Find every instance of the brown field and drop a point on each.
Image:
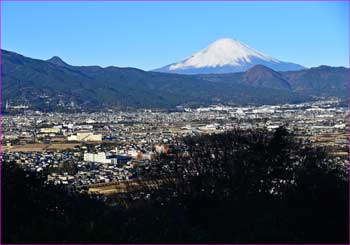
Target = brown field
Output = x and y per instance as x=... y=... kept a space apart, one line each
x=125 y=186
x=39 y=147
x=340 y=136
x=341 y=153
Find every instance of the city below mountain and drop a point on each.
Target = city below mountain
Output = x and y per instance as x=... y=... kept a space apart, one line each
x=224 y=56
x=56 y=85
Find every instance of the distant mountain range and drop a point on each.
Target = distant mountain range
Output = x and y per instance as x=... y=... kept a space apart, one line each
x=226 y=56
x=56 y=85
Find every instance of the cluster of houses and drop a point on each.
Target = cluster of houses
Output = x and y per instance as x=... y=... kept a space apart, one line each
x=117 y=146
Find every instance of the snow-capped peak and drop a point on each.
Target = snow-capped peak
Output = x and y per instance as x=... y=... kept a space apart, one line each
x=225 y=56
x=222 y=52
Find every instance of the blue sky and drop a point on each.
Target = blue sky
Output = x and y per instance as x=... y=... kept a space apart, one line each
x=148 y=35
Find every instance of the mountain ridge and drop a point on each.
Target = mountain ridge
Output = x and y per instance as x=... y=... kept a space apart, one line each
x=48 y=86
x=57 y=61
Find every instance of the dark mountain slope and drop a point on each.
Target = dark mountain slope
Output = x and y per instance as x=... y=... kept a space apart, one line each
x=318 y=81
x=322 y=80
x=44 y=84
x=57 y=61
x=54 y=84
x=262 y=76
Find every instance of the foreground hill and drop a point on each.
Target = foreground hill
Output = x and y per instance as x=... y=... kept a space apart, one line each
x=251 y=191
x=54 y=84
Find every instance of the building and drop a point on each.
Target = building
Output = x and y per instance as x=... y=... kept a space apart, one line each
x=99 y=157
x=85 y=136
x=50 y=130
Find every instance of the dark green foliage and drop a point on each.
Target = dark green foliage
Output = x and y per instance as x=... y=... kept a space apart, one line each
x=254 y=186
x=219 y=192
x=36 y=213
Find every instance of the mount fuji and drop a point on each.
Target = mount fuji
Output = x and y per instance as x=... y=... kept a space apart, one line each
x=226 y=56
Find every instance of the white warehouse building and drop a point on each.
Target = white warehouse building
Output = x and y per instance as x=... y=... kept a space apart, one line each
x=86 y=136
x=99 y=157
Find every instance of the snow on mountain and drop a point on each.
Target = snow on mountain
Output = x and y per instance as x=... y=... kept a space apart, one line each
x=226 y=55
x=222 y=52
